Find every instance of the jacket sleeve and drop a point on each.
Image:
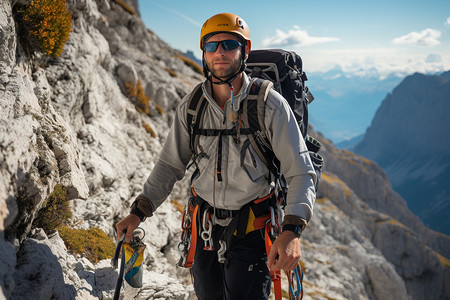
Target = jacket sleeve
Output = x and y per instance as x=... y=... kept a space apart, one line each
x=289 y=147
x=171 y=165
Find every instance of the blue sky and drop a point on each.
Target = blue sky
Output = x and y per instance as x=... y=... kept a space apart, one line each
x=375 y=38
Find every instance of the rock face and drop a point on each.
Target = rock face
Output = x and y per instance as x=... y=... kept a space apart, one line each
x=71 y=121
x=408 y=138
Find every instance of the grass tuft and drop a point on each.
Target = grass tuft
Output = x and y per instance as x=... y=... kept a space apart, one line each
x=171 y=72
x=149 y=129
x=192 y=64
x=125 y=6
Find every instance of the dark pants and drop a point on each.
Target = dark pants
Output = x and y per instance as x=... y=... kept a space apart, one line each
x=245 y=274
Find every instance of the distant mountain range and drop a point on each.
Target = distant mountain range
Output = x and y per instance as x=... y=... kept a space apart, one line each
x=345 y=103
x=410 y=139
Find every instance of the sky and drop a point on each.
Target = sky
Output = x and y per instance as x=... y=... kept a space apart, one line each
x=363 y=38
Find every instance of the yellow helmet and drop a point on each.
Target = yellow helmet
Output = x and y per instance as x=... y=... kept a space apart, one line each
x=225 y=23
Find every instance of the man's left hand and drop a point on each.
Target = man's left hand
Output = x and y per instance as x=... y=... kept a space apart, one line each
x=287 y=248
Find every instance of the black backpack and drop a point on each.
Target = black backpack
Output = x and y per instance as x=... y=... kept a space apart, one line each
x=280 y=70
x=285 y=70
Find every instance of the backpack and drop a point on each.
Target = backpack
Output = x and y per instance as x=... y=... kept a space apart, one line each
x=277 y=69
x=285 y=70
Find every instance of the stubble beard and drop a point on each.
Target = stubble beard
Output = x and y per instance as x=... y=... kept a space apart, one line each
x=225 y=74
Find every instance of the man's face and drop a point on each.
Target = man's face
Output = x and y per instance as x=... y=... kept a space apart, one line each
x=223 y=63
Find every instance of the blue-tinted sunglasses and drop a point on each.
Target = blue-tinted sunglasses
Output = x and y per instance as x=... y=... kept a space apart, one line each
x=226 y=45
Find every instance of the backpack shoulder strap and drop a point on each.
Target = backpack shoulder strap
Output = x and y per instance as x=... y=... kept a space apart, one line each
x=196 y=105
x=253 y=114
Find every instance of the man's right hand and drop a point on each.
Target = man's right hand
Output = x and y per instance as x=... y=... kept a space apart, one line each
x=128 y=225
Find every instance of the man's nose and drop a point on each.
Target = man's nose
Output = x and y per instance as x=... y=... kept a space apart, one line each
x=220 y=50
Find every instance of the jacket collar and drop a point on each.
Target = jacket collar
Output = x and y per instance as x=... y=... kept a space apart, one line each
x=237 y=98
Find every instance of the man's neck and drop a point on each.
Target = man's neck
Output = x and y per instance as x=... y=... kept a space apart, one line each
x=222 y=92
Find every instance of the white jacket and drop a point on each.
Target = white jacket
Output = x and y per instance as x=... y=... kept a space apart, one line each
x=237 y=187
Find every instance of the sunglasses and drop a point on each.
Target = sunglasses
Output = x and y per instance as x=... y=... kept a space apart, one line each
x=227 y=45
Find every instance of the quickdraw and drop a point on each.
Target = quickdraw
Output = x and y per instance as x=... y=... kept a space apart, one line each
x=295 y=283
x=188 y=243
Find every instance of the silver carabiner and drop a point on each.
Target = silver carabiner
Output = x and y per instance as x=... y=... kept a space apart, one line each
x=221 y=252
x=272 y=217
x=206 y=233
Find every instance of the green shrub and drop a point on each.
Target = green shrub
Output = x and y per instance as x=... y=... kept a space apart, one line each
x=55 y=214
x=50 y=22
x=55 y=211
x=93 y=243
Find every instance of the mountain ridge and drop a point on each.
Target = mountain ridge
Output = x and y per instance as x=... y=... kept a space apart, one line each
x=412 y=125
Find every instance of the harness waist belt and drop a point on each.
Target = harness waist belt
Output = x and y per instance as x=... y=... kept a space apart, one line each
x=224 y=213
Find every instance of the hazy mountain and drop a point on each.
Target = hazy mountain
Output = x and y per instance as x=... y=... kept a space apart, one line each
x=410 y=139
x=80 y=133
x=351 y=143
x=190 y=54
x=346 y=103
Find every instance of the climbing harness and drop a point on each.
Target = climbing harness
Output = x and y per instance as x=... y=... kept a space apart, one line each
x=261 y=214
x=132 y=257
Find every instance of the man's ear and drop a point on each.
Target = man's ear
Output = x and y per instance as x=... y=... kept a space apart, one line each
x=246 y=52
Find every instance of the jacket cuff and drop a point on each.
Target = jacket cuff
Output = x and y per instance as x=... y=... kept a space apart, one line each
x=142 y=208
x=294 y=220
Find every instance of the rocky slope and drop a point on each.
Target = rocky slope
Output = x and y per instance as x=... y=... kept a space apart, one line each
x=408 y=138
x=68 y=121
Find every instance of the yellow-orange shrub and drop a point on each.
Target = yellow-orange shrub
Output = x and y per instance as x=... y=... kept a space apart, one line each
x=125 y=6
x=93 y=243
x=149 y=129
x=50 y=22
x=137 y=94
x=140 y=99
x=171 y=72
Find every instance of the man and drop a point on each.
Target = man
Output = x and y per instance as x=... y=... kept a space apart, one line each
x=228 y=179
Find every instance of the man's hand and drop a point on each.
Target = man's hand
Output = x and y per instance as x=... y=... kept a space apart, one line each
x=128 y=224
x=287 y=248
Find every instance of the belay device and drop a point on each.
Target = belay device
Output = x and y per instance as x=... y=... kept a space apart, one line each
x=131 y=261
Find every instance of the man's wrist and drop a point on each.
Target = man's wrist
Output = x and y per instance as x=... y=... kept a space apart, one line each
x=142 y=208
x=136 y=211
x=295 y=229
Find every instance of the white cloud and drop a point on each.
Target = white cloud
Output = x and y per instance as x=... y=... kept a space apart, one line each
x=373 y=62
x=427 y=37
x=295 y=37
x=447 y=22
